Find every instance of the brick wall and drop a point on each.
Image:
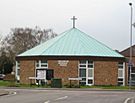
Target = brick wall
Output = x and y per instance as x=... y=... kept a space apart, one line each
x=105 y=73
x=64 y=72
x=27 y=69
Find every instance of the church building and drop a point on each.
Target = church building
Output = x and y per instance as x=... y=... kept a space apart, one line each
x=72 y=54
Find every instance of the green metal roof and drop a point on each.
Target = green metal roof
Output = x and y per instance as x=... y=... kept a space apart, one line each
x=73 y=42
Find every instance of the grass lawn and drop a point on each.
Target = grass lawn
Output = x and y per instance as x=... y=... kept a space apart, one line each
x=110 y=87
x=6 y=83
x=14 y=84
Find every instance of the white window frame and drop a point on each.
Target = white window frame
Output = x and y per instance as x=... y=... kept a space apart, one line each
x=40 y=67
x=16 y=71
x=123 y=71
x=87 y=68
x=90 y=78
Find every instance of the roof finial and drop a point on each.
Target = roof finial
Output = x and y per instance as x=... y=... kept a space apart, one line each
x=73 y=21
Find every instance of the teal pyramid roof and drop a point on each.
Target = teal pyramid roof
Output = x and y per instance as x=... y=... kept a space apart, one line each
x=72 y=42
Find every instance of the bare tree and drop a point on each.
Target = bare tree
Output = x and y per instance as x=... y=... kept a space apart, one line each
x=23 y=39
x=43 y=35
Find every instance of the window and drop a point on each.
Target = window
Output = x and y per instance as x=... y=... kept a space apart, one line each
x=83 y=62
x=120 y=81
x=120 y=65
x=41 y=64
x=43 y=61
x=133 y=77
x=82 y=72
x=120 y=73
x=86 y=72
x=133 y=70
x=90 y=81
x=17 y=70
x=90 y=64
x=90 y=72
x=41 y=70
x=120 y=70
x=18 y=67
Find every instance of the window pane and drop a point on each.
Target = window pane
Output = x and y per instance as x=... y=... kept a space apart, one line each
x=82 y=73
x=83 y=62
x=133 y=77
x=43 y=61
x=90 y=66
x=90 y=73
x=120 y=65
x=83 y=79
x=90 y=62
x=133 y=69
x=18 y=71
x=120 y=83
x=120 y=73
x=90 y=81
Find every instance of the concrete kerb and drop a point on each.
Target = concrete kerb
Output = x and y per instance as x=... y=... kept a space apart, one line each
x=3 y=92
x=85 y=89
x=71 y=89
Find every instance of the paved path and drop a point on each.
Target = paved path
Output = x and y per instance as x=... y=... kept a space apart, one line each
x=65 y=96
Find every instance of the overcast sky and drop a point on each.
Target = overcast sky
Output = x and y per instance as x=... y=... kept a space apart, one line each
x=106 y=20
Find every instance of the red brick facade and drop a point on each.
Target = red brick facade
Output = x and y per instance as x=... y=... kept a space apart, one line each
x=64 y=72
x=105 y=72
x=27 y=69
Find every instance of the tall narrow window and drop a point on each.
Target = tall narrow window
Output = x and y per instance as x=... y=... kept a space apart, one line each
x=86 y=72
x=132 y=76
x=120 y=73
x=82 y=71
x=90 y=71
x=18 y=70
